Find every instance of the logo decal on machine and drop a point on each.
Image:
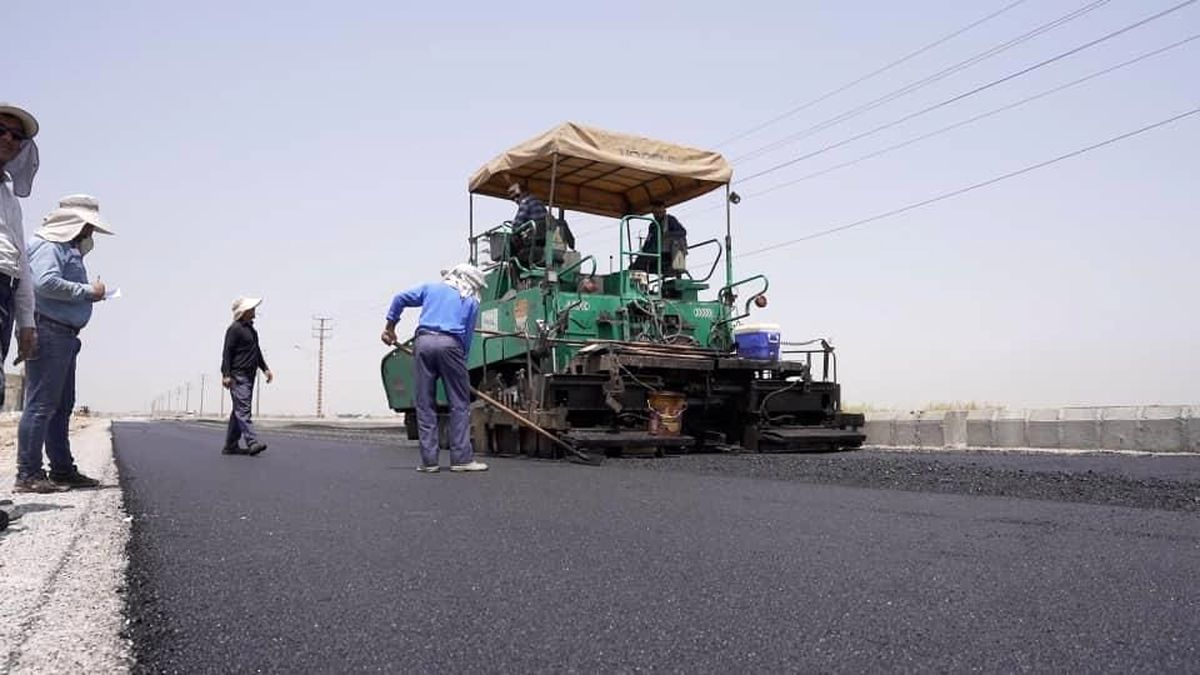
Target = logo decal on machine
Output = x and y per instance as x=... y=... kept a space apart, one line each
x=490 y=320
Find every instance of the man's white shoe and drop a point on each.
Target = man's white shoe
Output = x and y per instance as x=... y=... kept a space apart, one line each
x=429 y=469
x=473 y=466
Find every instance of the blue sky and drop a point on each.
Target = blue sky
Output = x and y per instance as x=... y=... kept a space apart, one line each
x=317 y=154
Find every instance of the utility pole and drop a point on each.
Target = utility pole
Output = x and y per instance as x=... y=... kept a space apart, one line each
x=321 y=332
x=178 y=395
x=201 y=414
x=187 y=405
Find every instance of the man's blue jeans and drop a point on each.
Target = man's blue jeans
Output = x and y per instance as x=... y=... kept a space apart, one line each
x=49 y=400
x=440 y=356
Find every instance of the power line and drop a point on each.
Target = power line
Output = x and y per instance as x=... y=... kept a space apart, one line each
x=920 y=84
x=941 y=75
x=873 y=73
x=972 y=92
x=970 y=188
x=976 y=118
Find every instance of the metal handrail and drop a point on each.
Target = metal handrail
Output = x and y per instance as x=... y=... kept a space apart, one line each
x=727 y=292
x=712 y=270
x=828 y=356
x=486 y=233
x=626 y=235
x=474 y=240
x=579 y=263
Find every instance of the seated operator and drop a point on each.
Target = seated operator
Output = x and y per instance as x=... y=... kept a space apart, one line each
x=528 y=242
x=674 y=243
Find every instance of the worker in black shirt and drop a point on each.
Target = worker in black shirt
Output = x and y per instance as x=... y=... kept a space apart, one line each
x=674 y=236
x=240 y=362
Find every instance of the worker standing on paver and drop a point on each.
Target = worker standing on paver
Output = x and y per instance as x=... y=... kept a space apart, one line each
x=241 y=360
x=443 y=340
x=64 y=299
x=18 y=165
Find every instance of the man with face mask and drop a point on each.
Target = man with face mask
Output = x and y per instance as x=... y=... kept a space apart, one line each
x=64 y=306
x=18 y=165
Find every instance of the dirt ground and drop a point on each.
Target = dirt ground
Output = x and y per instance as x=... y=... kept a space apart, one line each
x=8 y=448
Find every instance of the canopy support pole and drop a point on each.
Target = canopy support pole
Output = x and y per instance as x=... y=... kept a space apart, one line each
x=728 y=239
x=552 y=223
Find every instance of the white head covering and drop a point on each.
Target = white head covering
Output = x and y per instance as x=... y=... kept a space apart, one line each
x=243 y=305
x=24 y=166
x=467 y=279
x=66 y=222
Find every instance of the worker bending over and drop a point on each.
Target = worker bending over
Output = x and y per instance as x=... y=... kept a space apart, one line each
x=443 y=341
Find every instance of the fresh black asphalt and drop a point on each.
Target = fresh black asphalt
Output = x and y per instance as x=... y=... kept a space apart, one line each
x=328 y=553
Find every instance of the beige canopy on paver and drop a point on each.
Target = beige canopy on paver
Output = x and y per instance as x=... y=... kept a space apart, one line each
x=603 y=172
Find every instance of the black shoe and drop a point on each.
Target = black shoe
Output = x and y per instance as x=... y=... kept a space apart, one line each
x=234 y=450
x=256 y=447
x=37 y=484
x=73 y=480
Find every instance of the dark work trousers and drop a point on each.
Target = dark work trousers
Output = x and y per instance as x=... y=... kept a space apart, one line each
x=240 y=426
x=7 y=307
x=437 y=357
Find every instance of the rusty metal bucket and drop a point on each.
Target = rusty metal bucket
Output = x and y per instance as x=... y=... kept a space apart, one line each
x=666 y=412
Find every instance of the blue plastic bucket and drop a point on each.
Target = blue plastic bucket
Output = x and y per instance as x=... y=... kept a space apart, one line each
x=758 y=341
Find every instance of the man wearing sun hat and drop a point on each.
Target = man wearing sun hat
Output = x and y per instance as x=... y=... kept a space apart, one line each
x=64 y=306
x=240 y=362
x=18 y=165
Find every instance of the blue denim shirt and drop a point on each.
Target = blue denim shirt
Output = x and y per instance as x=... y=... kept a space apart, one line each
x=442 y=310
x=60 y=284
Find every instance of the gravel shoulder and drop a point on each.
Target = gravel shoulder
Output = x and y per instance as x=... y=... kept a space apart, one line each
x=62 y=565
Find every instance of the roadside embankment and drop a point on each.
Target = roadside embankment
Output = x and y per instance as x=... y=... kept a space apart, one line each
x=1153 y=429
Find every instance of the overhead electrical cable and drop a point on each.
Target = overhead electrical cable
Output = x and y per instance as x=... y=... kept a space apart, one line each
x=971 y=92
x=924 y=82
x=969 y=188
x=873 y=73
x=957 y=125
x=976 y=118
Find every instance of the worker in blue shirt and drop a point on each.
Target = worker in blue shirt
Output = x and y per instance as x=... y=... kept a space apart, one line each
x=443 y=341
x=64 y=299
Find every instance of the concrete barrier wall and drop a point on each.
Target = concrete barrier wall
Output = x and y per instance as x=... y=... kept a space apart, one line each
x=1144 y=428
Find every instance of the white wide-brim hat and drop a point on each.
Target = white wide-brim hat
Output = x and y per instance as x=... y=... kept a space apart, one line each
x=243 y=305
x=67 y=221
x=28 y=121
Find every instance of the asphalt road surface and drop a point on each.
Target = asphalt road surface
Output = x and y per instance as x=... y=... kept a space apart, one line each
x=329 y=553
